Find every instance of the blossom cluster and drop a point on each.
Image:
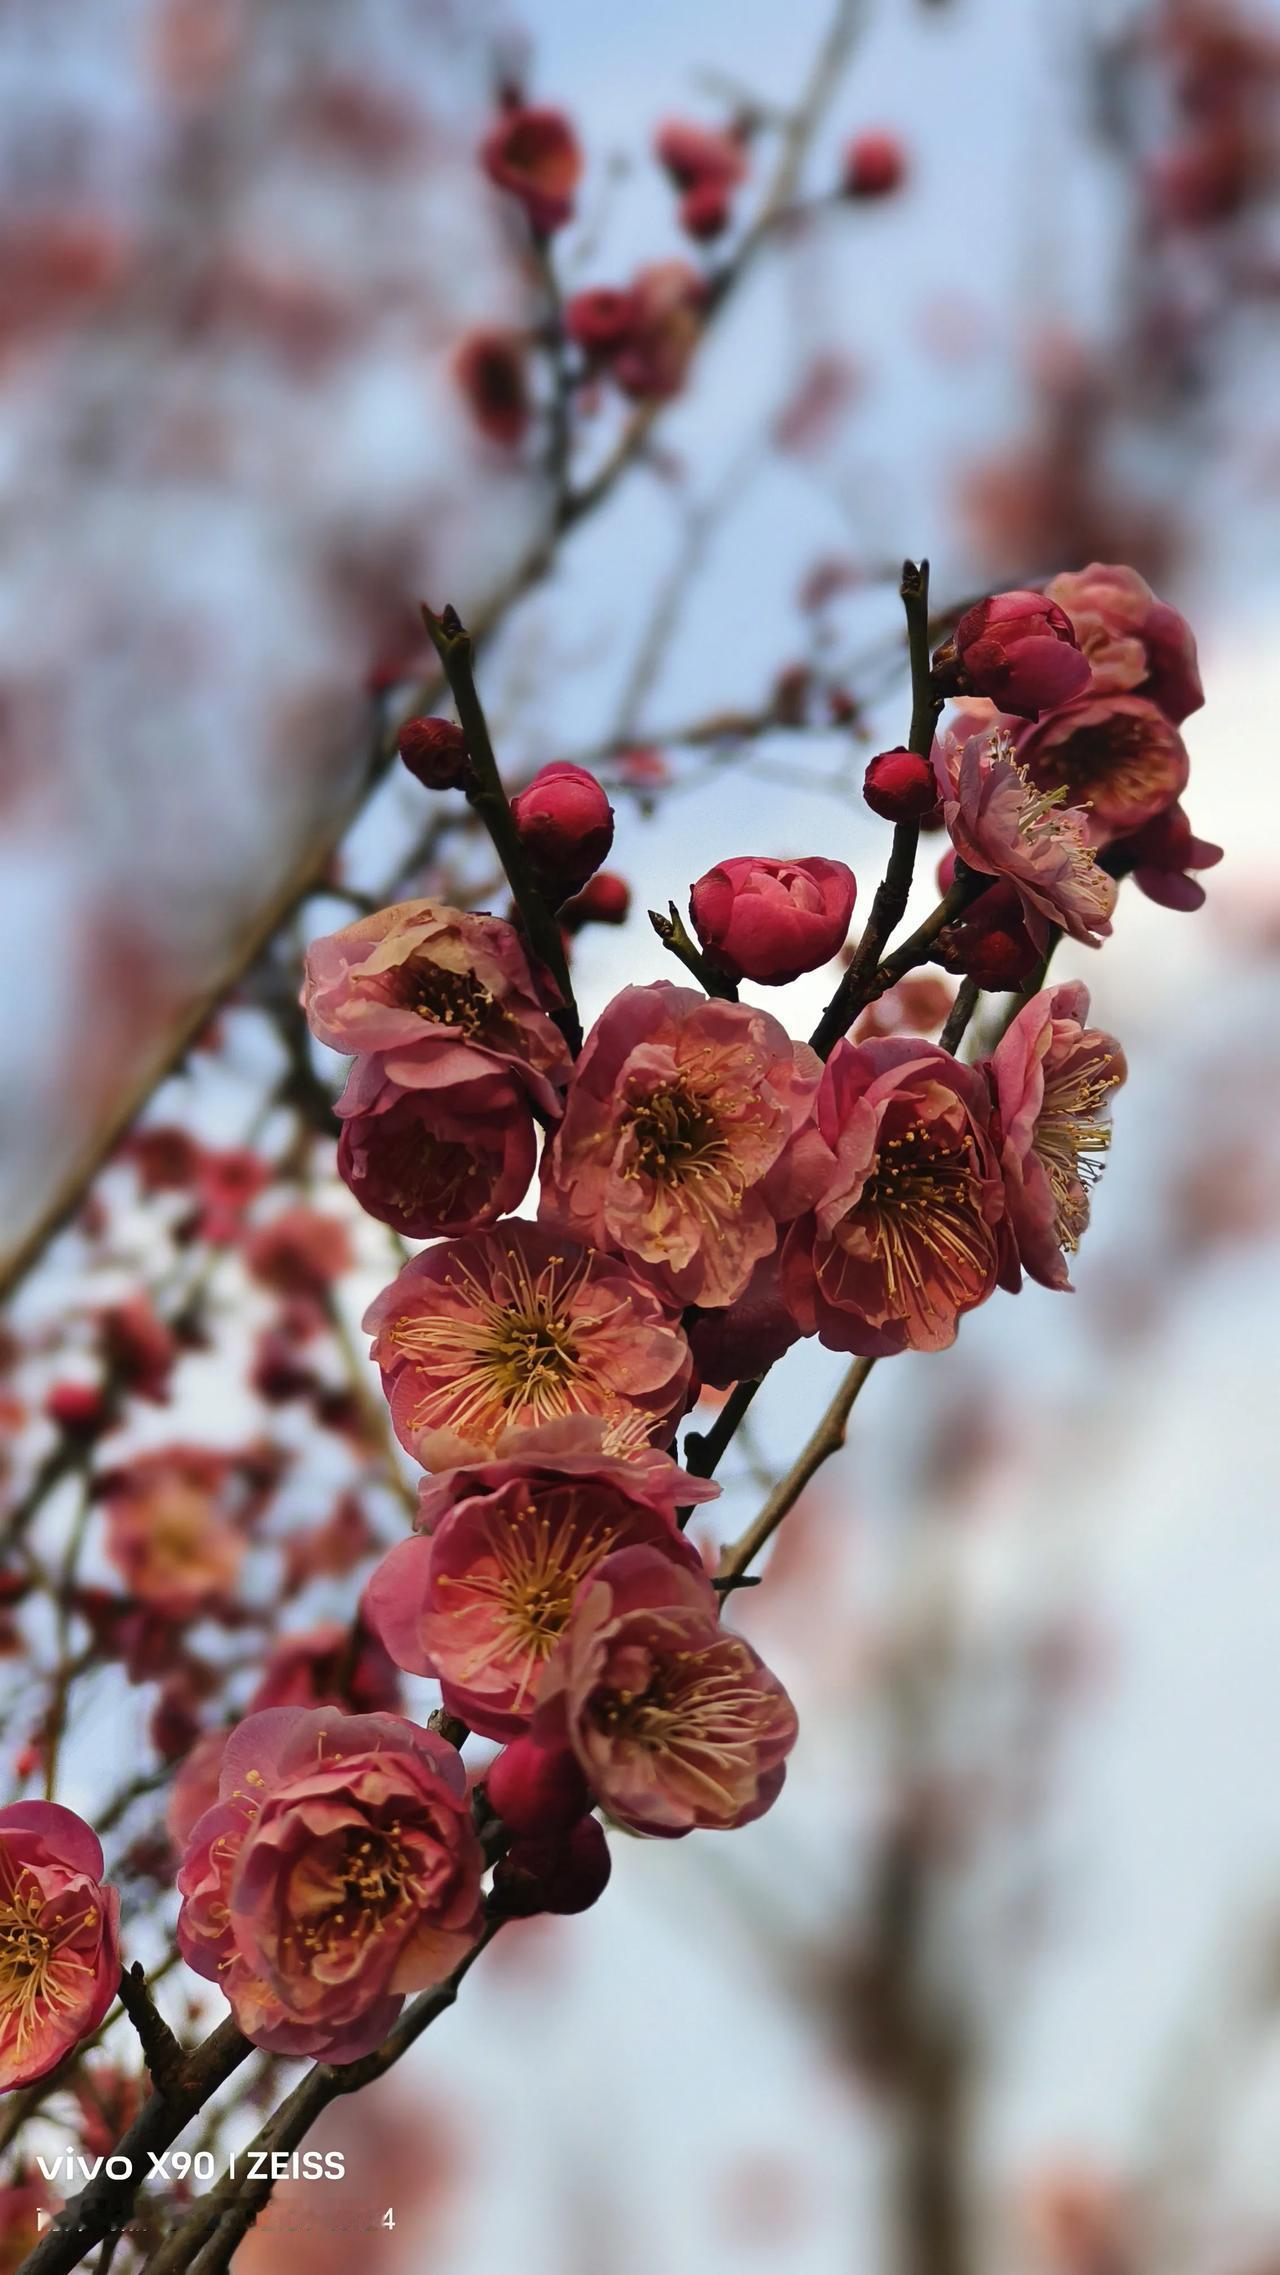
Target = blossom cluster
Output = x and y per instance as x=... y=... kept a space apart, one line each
x=706 y=1190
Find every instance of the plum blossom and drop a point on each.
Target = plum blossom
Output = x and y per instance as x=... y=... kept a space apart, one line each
x=676 y=1722
x=59 y=1938
x=518 y=1327
x=686 y=1140
x=1116 y=755
x=769 y=921
x=436 y=1138
x=1020 y=650
x=1052 y=1078
x=1134 y=643
x=421 y=972
x=337 y=1872
x=908 y=1234
x=1161 y=856
x=532 y=152
x=482 y=1594
x=1003 y=825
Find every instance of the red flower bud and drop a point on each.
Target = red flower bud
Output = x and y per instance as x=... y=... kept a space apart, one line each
x=565 y=823
x=697 y=156
x=771 y=920
x=1019 y=649
x=991 y=943
x=534 y=155
x=900 y=786
x=537 y=1790
x=604 y=899
x=568 y=1872
x=435 y=752
x=704 y=211
x=79 y=1408
x=600 y=320
x=875 y=165
x=489 y=368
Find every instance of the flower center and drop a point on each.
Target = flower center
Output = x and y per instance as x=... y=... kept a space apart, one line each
x=676 y=1136
x=538 y=1559
x=918 y=1206
x=1121 y=758
x=354 y=1896
x=1070 y=1133
x=446 y=998
x=34 y=1969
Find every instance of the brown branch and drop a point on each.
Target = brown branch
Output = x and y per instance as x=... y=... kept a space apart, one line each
x=456 y=650
x=827 y=1439
x=674 y=935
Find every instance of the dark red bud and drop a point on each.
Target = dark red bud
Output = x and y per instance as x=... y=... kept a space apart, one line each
x=435 y=752
x=900 y=786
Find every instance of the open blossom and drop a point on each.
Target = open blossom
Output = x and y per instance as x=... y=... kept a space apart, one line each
x=482 y=1594
x=676 y=1722
x=299 y=1252
x=1134 y=643
x=1002 y=824
x=337 y=1872
x=419 y=972
x=686 y=1140
x=437 y=1138
x=490 y=369
x=1116 y=755
x=908 y=1234
x=519 y=1327
x=1052 y=1078
x=168 y=1532
x=59 y=1938
x=770 y=921
x=532 y=153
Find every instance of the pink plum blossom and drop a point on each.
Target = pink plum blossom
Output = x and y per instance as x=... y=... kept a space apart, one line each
x=419 y=972
x=686 y=1140
x=517 y=1327
x=1052 y=1078
x=1003 y=825
x=337 y=1872
x=482 y=1594
x=908 y=1234
x=676 y=1722
x=1134 y=643
x=436 y=1138
x=59 y=1938
x=1116 y=755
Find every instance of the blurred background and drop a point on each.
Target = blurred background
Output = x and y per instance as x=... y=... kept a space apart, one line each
x=996 y=1985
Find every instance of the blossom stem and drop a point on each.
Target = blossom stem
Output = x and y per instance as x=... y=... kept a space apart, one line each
x=827 y=1439
x=674 y=935
x=703 y=1448
x=858 y=987
x=212 y=2231
x=962 y=1010
x=485 y=794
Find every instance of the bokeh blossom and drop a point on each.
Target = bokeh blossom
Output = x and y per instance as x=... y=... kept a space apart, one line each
x=907 y=1235
x=169 y=1533
x=1003 y=825
x=338 y=1872
x=518 y=1327
x=677 y=1723
x=532 y=152
x=436 y=1138
x=685 y=1140
x=59 y=1938
x=482 y=1594
x=1052 y=1077
x=421 y=972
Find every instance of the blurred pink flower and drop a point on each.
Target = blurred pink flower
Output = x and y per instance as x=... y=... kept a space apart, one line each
x=298 y=1252
x=489 y=367
x=686 y=1140
x=532 y=153
x=517 y=1327
x=338 y=1872
x=667 y=306
x=168 y=1533
x=1001 y=824
x=676 y=1722
x=1134 y=643
x=59 y=1938
x=907 y=1235
x=1052 y=1078
x=481 y=1596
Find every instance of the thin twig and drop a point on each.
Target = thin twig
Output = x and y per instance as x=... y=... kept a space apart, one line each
x=827 y=1439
